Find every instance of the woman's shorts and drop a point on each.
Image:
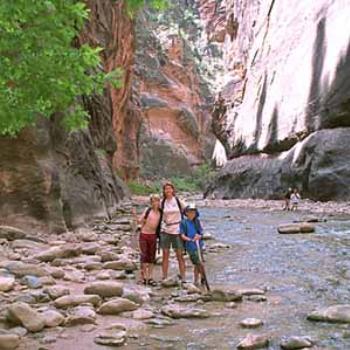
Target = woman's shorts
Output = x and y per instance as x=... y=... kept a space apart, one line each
x=148 y=246
x=168 y=240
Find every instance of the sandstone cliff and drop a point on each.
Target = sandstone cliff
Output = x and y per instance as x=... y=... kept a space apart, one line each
x=56 y=179
x=285 y=117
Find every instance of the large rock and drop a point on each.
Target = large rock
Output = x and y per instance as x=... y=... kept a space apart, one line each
x=66 y=251
x=56 y=292
x=75 y=300
x=294 y=343
x=105 y=289
x=52 y=318
x=81 y=315
x=178 y=311
x=9 y=341
x=20 y=269
x=122 y=264
x=23 y=314
x=251 y=342
x=111 y=338
x=224 y=295
x=6 y=283
x=11 y=233
x=296 y=228
x=117 y=306
x=334 y=313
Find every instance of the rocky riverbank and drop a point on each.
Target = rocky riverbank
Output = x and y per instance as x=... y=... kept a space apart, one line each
x=80 y=287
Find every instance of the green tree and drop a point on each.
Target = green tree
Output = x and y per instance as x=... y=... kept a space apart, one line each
x=135 y=5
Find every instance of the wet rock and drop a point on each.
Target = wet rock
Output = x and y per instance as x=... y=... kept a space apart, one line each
x=9 y=341
x=57 y=292
x=177 y=311
x=11 y=233
x=160 y=322
x=91 y=266
x=231 y=305
x=22 y=314
x=49 y=339
x=117 y=306
x=257 y=298
x=90 y=248
x=32 y=282
x=296 y=228
x=294 y=343
x=109 y=256
x=57 y=273
x=137 y=295
x=20 y=269
x=74 y=276
x=222 y=295
x=52 y=318
x=142 y=314
x=251 y=291
x=105 y=289
x=47 y=280
x=19 y=330
x=251 y=342
x=75 y=300
x=81 y=315
x=87 y=328
x=111 y=338
x=170 y=282
x=66 y=251
x=336 y=313
x=251 y=323
x=26 y=244
x=192 y=289
x=122 y=264
x=6 y=283
x=191 y=298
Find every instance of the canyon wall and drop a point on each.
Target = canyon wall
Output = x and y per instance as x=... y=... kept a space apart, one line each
x=53 y=179
x=284 y=112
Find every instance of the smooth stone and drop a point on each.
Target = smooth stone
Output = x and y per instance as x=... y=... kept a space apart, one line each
x=251 y=342
x=93 y=266
x=19 y=330
x=192 y=289
x=117 y=306
x=251 y=323
x=223 y=295
x=49 y=339
x=177 y=311
x=32 y=282
x=191 y=298
x=90 y=248
x=9 y=341
x=75 y=300
x=47 y=281
x=123 y=264
x=23 y=314
x=142 y=314
x=111 y=338
x=105 y=289
x=26 y=244
x=61 y=252
x=138 y=296
x=170 y=282
x=81 y=315
x=335 y=313
x=294 y=343
x=56 y=292
x=257 y=298
x=20 y=269
x=6 y=283
x=160 y=322
x=251 y=291
x=52 y=318
x=11 y=233
x=296 y=228
x=57 y=273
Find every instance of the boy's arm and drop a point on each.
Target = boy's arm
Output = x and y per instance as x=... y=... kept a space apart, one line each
x=182 y=229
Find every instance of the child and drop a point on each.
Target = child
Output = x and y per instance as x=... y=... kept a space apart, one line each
x=295 y=199
x=150 y=225
x=191 y=233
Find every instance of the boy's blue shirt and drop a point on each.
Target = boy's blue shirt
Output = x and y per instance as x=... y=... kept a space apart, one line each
x=189 y=228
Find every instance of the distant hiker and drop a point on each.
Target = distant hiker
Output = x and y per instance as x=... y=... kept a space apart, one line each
x=287 y=199
x=191 y=232
x=295 y=199
x=150 y=227
x=172 y=214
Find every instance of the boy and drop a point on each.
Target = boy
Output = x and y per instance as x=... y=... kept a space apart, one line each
x=191 y=233
x=295 y=199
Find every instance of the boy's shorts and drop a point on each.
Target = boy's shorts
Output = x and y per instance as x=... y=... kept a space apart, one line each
x=148 y=246
x=194 y=257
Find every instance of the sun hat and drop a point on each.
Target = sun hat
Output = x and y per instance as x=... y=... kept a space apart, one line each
x=191 y=206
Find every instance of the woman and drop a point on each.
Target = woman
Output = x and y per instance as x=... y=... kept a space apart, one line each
x=149 y=221
x=170 y=236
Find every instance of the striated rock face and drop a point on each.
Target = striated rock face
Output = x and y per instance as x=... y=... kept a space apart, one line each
x=56 y=179
x=175 y=97
x=286 y=108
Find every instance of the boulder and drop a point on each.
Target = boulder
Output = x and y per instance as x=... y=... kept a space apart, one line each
x=251 y=342
x=9 y=341
x=177 y=311
x=6 y=283
x=60 y=252
x=117 y=306
x=295 y=343
x=251 y=323
x=111 y=338
x=123 y=264
x=250 y=291
x=224 y=295
x=81 y=315
x=57 y=292
x=21 y=269
x=11 y=233
x=32 y=282
x=105 y=289
x=22 y=314
x=334 y=314
x=52 y=318
x=77 y=299
x=137 y=295
x=296 y=228
x=142 y=314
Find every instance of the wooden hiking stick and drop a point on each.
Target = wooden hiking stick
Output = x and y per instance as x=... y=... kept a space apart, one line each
x=201 y=266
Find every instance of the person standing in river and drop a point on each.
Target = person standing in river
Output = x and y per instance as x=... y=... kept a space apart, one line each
x=287 y=199
x=172 y=214
x=150 y=225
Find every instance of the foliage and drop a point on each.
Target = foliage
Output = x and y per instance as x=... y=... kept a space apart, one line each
x=203 y=175
x=135 y=5
x=139 y=188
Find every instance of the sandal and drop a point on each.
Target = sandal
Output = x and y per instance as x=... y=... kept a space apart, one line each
x=152 y=282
